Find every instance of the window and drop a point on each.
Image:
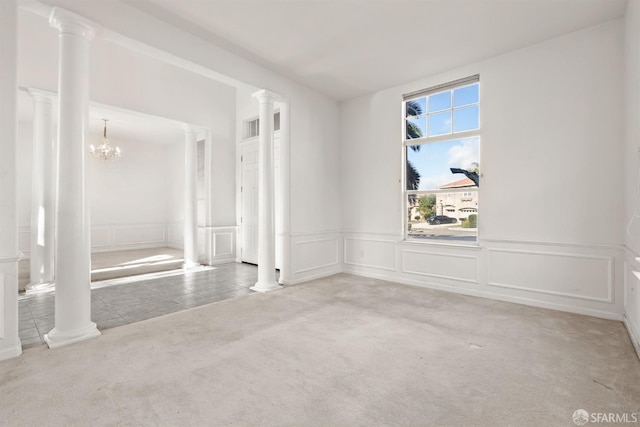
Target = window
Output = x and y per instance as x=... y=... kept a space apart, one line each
x=442 y=160
x=252 y=127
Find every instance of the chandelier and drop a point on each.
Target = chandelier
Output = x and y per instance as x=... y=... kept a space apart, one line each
x=105 y=150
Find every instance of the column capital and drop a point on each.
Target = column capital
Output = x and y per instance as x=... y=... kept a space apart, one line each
x=264 y=96
x=188 y=129
x=72 y=23
x=196 y=132
x=40 y=95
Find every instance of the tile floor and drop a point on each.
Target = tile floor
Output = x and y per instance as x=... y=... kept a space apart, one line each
x=133 y=299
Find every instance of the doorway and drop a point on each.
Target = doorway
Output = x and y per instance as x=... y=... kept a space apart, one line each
x=249 y=169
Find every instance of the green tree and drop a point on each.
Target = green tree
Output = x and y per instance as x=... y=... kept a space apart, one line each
x=426 y=205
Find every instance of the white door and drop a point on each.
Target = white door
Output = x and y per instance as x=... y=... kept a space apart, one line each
x=249 y=200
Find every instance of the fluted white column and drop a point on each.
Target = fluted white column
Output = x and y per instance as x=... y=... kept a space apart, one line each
x=190 y=197
x=266 y=226
x=9 y=341
x=73 y=246
x=42 y=192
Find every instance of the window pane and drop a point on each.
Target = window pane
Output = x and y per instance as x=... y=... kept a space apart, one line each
x=276 y=121
x=440 y=123
x=429 y=165
x=416 y=127
x=466 y=118
x=443 y=216
x=440 y=101
x=466 y=95
x=416 y=107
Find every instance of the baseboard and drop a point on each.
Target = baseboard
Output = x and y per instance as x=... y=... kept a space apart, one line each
x=130 y=247
x=634 y=336
x=489 y=295
x=221 y=261
x=174 y=245
x=11 y=352
x=318 y=275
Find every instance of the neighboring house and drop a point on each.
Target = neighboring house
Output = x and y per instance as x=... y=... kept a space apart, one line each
x=458 y=204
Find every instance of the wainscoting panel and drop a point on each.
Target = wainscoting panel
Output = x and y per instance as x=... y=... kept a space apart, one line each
x=135 y=235
x=315 y=255
x=101 y=237
x=462 y=268
x=370 y=252
x=175 y=235
x=223 y=244
x=219 y=244
x=106 y=238
x=632 y=300
x=581 y=276
x=2 y=308
x=578 y=278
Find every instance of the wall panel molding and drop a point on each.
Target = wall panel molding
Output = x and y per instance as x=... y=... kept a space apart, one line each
x=2 y=327
x=218 y=244
x=581 y=278
x=632 y=299
x=106 y=238
x=584 y=271
x=375 y=252
x=315 y=255
x=429 y=268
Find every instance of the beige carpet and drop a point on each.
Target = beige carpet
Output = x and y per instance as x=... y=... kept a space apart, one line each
x=341 y=351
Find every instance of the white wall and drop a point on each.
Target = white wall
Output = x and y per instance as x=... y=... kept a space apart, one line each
x=632 y=171
x=131 y=189
x=551 y=204
x=128 y=198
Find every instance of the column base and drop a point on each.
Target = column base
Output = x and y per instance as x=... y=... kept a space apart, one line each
x=37 y=287
x=265 y=287
x=190 y=265
x=56 y=338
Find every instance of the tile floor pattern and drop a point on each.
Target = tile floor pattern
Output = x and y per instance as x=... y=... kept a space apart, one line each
x=139 y=299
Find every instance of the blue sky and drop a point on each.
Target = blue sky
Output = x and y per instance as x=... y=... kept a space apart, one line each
x=434 y=160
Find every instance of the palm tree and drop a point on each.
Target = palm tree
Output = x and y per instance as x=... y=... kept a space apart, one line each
x=413 y=132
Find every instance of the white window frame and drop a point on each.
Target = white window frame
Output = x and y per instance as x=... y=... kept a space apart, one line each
x=468 y=81
x=251 y=127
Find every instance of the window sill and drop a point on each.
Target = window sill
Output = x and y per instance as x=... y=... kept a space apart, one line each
x=442 y=243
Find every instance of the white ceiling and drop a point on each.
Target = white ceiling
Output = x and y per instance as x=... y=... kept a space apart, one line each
x=347 y=48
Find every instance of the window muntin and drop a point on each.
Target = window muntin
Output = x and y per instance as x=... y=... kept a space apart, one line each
x=252 y=126
x=442 y=131
x=448 y=112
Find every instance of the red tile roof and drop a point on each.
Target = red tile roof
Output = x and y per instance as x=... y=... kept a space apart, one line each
x=465 y=182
